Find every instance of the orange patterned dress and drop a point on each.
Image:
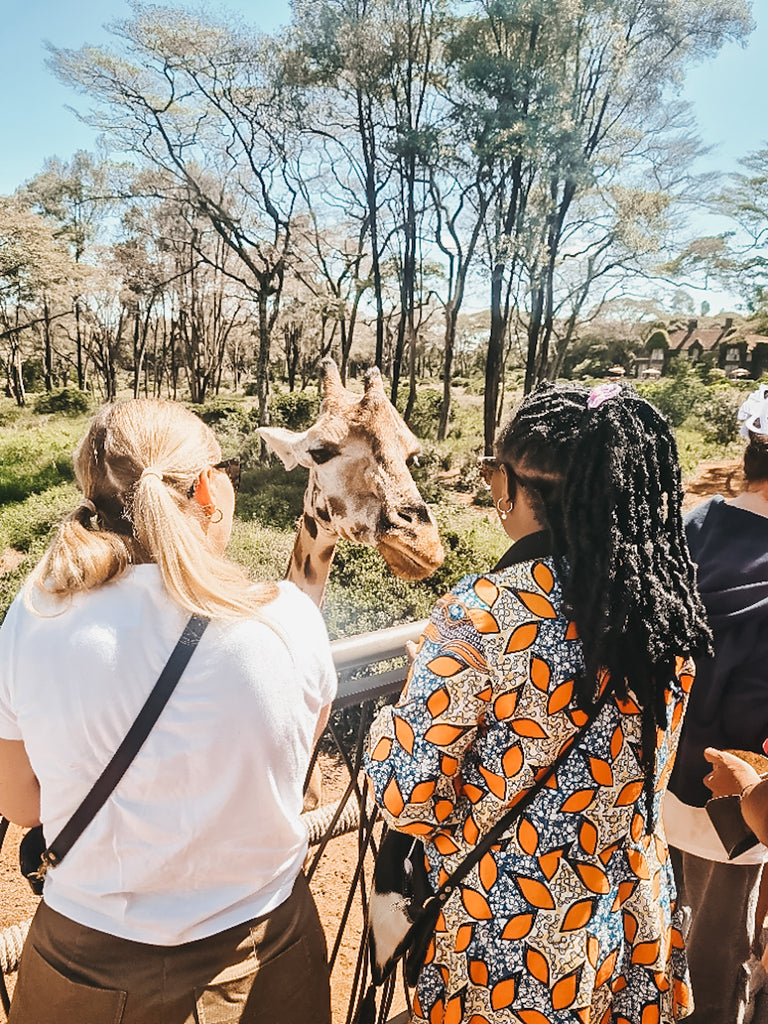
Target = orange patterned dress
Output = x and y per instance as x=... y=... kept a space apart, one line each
x=572 y=916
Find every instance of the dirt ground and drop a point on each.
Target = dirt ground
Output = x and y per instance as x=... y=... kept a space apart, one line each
x=330 y=883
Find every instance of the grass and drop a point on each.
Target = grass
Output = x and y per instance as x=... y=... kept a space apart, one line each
x=692 y=449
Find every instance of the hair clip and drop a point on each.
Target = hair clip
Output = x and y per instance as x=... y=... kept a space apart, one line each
x=602 y=393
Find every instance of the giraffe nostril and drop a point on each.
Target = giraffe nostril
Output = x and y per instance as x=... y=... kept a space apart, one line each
x=412 y=514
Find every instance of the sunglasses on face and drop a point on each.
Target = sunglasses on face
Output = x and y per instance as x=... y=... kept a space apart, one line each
x=232 y=468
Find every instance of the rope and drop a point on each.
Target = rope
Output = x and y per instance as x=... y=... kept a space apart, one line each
x=11 y=945
x=318 y=821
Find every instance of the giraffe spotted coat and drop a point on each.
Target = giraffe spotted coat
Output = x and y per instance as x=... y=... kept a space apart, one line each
x=572 y=917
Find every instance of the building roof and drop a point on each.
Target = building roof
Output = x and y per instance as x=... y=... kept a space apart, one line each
x=684 y=338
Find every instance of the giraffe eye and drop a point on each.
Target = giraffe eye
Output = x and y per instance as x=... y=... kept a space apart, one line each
x=324 y=453
x=412 y=460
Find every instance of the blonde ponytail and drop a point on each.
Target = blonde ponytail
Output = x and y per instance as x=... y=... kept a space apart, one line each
x=137 y=467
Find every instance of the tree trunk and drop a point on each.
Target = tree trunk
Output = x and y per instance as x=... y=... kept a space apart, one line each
x=494 y=360
x=262 y=360
x=79 y=344
x=47 y=346
x=451 y=317
x=412 y=378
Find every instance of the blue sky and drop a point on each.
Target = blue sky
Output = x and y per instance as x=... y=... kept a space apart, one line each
x=727 y=92
x=34 y=121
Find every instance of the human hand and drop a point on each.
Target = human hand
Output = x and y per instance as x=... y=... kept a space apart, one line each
x=411 y=650
x=730 y=775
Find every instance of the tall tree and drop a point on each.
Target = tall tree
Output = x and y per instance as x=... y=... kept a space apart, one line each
x=203 y=100
x=74 y=195
x=553 y=93
x=36 y=272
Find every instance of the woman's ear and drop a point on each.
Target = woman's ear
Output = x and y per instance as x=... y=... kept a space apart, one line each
x=510 y=486
x=202 y=494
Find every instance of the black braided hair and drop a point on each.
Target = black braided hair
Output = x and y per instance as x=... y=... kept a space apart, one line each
x=607 y=481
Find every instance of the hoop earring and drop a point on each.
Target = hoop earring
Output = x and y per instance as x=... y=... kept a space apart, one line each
x=216 y=511
x=503 y=512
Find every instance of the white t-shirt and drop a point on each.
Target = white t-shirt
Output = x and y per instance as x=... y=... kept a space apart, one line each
x=204 y=831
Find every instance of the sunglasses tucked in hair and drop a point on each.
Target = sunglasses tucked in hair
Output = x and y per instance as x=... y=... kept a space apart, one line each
x=232 y=468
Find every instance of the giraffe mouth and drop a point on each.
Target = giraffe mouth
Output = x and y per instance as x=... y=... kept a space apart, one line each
x=408 y=562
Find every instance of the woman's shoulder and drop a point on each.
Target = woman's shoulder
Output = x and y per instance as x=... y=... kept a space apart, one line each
x=293 y=608
x=526 y=589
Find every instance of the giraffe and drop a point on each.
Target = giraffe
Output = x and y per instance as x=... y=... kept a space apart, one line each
x=360 y=487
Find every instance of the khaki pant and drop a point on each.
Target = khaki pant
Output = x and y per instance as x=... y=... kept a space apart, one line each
x=272 y=970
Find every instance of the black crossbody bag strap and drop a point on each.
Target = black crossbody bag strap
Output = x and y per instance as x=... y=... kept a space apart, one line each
x=132 y=743
x=502 y=825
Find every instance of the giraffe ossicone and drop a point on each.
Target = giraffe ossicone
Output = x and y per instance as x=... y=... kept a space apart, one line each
x=360 y=487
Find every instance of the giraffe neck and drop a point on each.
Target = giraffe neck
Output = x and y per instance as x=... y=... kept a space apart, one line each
x=311 y=559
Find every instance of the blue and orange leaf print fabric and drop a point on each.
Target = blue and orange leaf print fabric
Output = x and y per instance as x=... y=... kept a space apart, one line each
x=572 y=916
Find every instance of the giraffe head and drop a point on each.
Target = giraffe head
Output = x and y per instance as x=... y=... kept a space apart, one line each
x=360 y=487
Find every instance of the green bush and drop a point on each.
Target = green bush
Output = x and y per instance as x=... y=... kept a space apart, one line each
x=426 y=471
x=22 y=523
x=35 y=457
x=425 y=415
x=221 y=410
x=70 y=401
x=692 y=448
x=675 y=397
x=271 y=495
x=296 y=410
x=716 y=416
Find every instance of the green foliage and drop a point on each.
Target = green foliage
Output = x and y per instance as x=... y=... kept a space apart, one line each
x=25 y=523
x=296 y=410
x=272 y=496
x=676 y=396
x=425 y=415
x=692 y=448
x=263 y=549
x=70 y=400
x=234 y=420
x=716 y=415
x=657 y=339
x=364 y=595
x=26 y=528
x=593 y=357
x=36 y=456
x=223 y=410
x=433 y=461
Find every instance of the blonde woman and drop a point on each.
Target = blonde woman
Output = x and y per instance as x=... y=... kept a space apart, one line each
x=183 y=900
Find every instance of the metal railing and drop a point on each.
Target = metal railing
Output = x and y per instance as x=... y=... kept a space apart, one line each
x=361 y=686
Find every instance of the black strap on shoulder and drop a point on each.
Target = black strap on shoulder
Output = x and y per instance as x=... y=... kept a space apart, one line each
x=502 y=825
x=132 y=743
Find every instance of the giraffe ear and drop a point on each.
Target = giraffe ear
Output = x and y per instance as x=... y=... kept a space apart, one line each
x=330 y=380
x=373 y=385
x=291 y=448
x=372 y=379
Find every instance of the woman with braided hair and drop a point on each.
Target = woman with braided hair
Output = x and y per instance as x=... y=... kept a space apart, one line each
x=575 y=646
